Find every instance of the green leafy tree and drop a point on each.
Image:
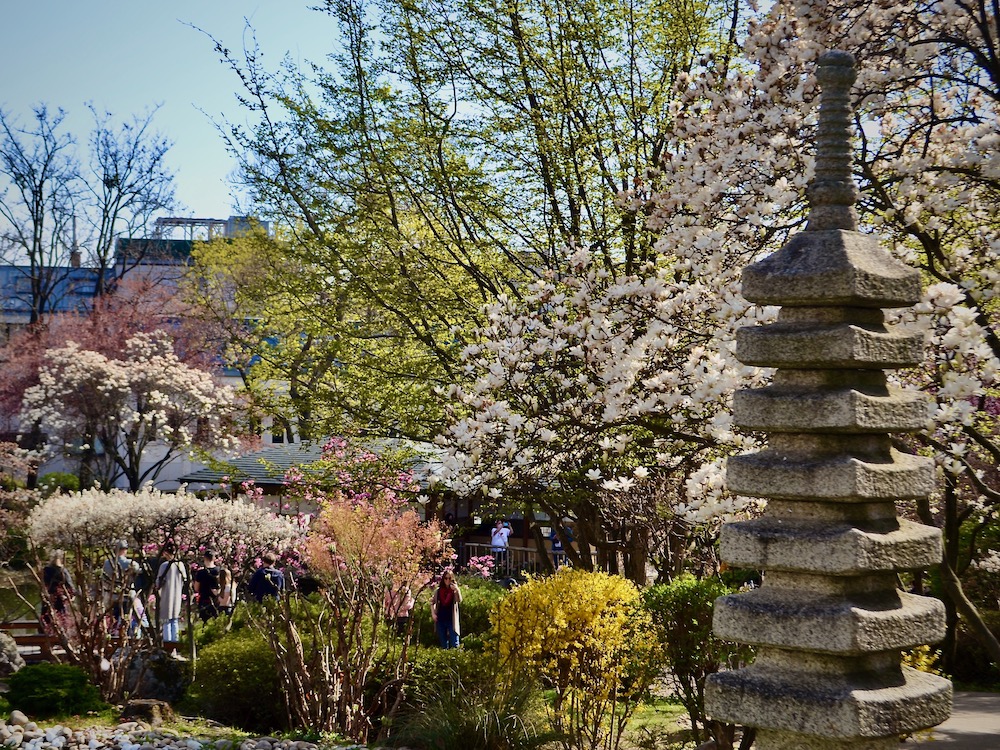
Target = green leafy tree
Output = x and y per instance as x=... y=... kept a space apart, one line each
x=453 y=151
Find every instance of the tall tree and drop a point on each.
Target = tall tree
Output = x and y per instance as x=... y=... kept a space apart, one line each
x=127 y=181
x=928 y=113
x=457 y=150
x=40 y=191
x=60 y=210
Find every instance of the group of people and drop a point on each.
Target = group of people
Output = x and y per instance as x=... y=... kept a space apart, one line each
x=124 y=586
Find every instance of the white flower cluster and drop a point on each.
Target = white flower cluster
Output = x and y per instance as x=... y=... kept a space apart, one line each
x=149 y=396
x=929 y=173
x=94 y=519
x=591 y=380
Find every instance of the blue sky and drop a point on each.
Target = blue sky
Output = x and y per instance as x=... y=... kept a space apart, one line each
x=129 y=56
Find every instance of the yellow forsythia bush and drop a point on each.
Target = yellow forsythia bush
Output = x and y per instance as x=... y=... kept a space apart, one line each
x=587 y=637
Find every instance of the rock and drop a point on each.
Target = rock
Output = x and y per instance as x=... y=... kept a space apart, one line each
x=10 y=659
x=17 y=718
x=223 y=745
x=153 y=711
x=157 y=676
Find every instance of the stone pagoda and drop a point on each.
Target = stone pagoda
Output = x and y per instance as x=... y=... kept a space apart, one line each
x=829 y=621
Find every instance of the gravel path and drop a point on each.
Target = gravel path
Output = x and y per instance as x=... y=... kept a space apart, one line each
x=21 y=732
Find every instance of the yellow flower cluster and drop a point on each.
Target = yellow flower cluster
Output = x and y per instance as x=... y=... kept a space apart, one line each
x=587 y=637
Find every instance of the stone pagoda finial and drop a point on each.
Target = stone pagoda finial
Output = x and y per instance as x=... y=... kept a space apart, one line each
x=828 y=622
x=832 y=192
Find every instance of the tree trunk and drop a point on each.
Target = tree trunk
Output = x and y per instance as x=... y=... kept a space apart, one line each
x=635 y=556
x=969 y=613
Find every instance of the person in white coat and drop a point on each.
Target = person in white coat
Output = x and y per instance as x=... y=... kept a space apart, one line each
x=170 y=580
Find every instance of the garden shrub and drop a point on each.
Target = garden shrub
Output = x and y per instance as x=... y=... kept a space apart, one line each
x=58 y=481
x=457 y=701
x=681 y=612
x=237 y=684
x=221 y=626
x=586 y=636
x=45 y=690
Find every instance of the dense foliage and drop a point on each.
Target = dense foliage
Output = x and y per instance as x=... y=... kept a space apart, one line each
x=44 y=690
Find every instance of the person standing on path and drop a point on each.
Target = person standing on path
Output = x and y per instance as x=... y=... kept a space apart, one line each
x=267 y=580
x=170 y=580
x=208 y=587
x=498 y=546
x=444 y=610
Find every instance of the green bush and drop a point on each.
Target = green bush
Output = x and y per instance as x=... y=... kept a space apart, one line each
x=222 y=626
x=58 y=481
x=237 y=684
x=45 y=690
x=435 y=671
x=682 y=615
x=454 y=701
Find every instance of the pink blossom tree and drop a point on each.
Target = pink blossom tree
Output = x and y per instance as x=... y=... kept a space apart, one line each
x=143 y=408
x=371 y=553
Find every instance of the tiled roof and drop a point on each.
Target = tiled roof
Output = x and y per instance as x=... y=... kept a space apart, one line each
x=267 y=467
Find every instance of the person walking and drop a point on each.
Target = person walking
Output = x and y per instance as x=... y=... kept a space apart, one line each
x=227 y=592
x=118 y=583
x=208 y=586
x=444 y=610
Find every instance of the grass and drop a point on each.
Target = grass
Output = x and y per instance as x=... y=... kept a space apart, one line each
x=660 y=724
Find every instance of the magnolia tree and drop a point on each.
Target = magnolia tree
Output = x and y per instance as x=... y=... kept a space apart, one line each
x=99 y=623
x=134 y=305
x=595 y=391
x=342 y=664
x=128 y=416
x=927 y=97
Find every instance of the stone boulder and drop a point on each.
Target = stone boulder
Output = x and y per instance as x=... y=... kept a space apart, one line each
x=156 y=676
x=10 y=659
x=153 y=712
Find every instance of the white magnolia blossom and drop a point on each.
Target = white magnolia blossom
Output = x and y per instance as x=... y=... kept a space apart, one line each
x=928 y=167
x=589 y=380
x=562 y=377
x=148 y=397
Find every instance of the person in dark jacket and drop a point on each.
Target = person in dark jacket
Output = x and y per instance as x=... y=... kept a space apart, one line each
x=267 y=580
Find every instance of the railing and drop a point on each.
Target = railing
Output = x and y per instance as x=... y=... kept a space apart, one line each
x=32 y=641
x=507 y=563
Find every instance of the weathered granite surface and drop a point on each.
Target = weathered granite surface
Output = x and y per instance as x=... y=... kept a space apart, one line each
x=828 y=620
